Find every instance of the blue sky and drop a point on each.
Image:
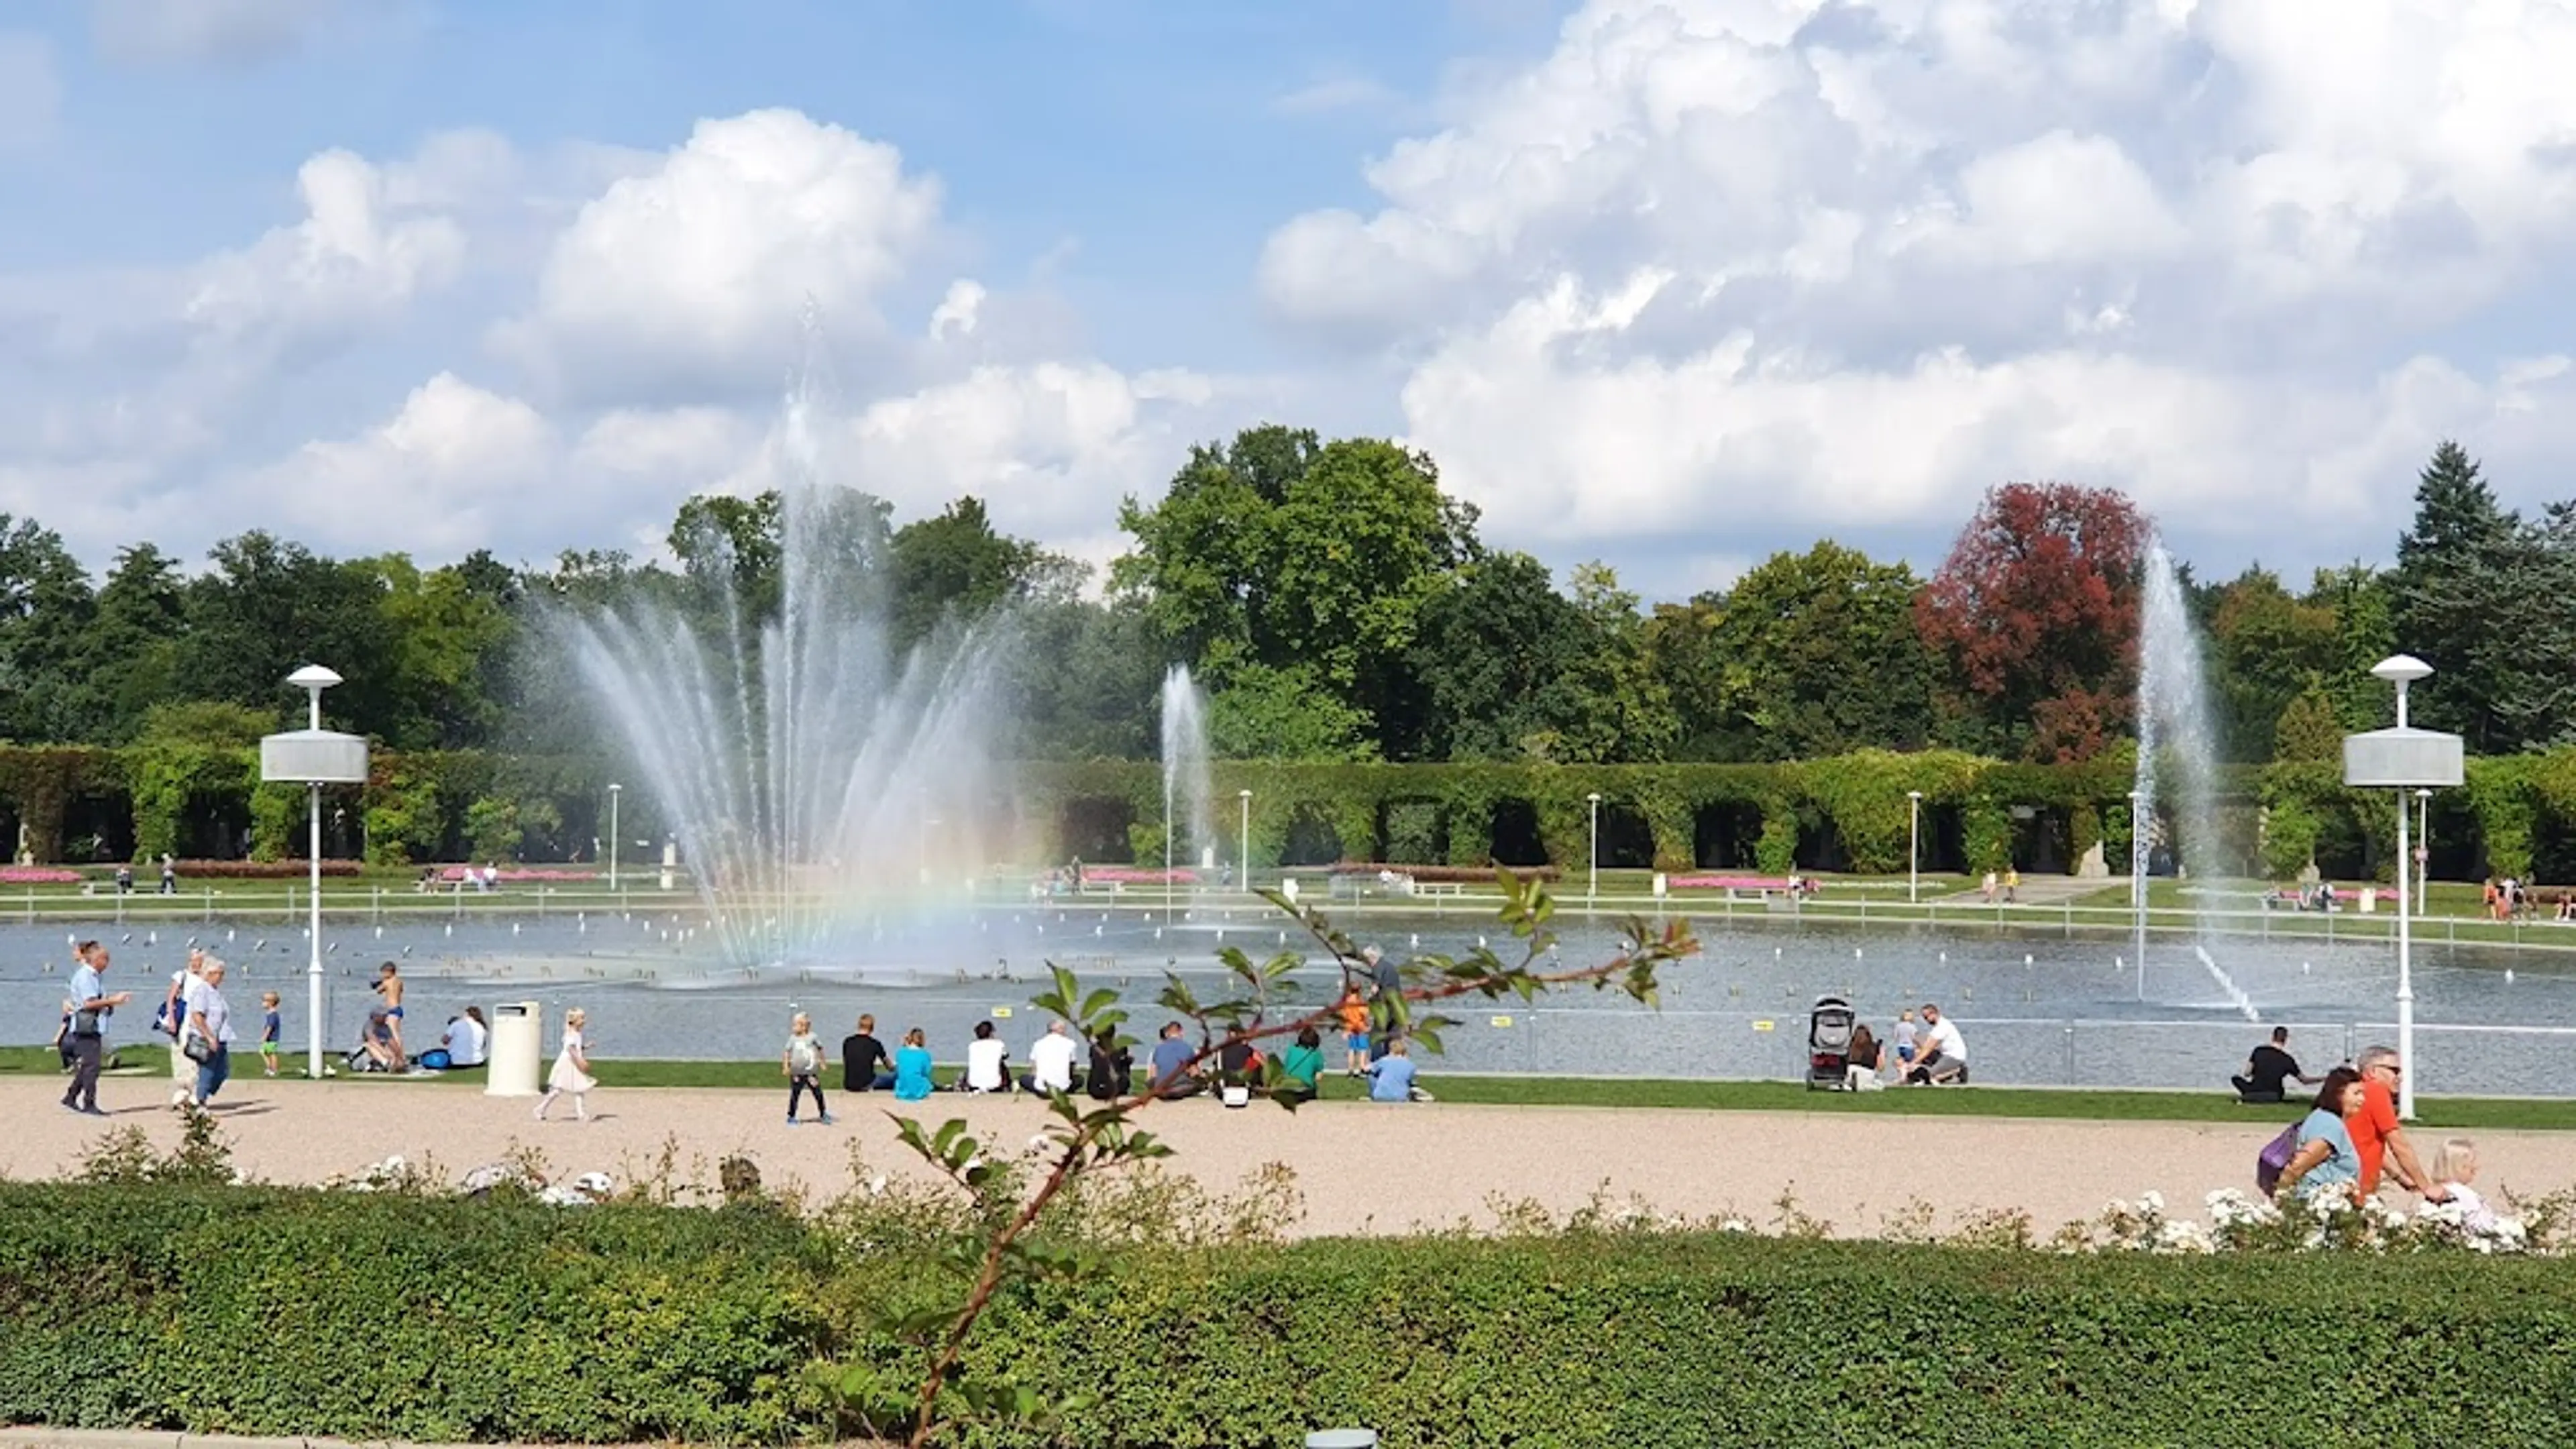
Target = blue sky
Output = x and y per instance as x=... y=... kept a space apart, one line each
x=1671 y=283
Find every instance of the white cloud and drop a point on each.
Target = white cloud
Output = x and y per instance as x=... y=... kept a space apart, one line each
x=691 y=277
x=227 y=31
x=370 y=242
x=30 y=92
x=1859 y=261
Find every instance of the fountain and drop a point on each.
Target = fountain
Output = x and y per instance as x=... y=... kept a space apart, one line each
x=816 y=781
x=1185 y=777
x=2177 y=750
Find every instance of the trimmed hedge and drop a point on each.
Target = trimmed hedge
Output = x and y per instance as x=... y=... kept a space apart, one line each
x=260 y=1311
x=268 y=1311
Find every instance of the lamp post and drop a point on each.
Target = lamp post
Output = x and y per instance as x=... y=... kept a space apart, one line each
x=313 y=757
x=1592 y=865
x=2423 y=848
x=1913 y=845
x=1244 y=797
x=2138 y=880
x=2403 y=759
x=614 y=790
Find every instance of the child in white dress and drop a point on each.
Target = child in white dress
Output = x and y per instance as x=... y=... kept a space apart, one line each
x=571 y=1074
x=2455 y=1166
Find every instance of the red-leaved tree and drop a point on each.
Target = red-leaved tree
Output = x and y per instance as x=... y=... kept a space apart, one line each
x=2036 y=613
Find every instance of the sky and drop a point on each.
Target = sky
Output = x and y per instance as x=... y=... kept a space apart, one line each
x=1673 y=284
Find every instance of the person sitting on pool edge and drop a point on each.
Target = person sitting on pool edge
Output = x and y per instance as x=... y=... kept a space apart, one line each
x=1944 y=1060
x=2269 y=1069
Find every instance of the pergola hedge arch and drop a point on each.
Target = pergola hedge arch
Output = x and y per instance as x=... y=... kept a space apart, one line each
x=2516 y=813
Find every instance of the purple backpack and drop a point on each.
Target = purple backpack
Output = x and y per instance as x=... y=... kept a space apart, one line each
x=2275 y=1159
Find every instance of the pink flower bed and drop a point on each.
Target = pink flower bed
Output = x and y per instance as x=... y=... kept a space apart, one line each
x=1727 y=883
x=38 y=875
x=1136 y=875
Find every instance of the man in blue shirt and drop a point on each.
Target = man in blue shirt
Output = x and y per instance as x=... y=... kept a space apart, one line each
x=1172 y=1074
x=1391 y=1076
x=92 y=1002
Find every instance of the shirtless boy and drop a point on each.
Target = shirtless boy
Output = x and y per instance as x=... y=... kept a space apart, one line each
x=389 y=985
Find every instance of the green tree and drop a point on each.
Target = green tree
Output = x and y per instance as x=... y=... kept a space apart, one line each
x=268 y=607
x=1284 y=714
x=729 y=551
x=1620 y=712
x=129 y=654
x=2308 y=730
x=1816 y=654
x=2358 y=597
x=2458 y=602
x=45 y=609
x=1492 y=660
x=1282 y=552
x=448 y=628
x=1088 y=682
x=2266 y=647
x=957 y=564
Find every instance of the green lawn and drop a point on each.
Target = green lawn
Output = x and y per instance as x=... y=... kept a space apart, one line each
x=2103 y=1104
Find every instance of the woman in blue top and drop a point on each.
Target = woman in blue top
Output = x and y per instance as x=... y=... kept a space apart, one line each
x=2326 y=1157
x=912 y=1068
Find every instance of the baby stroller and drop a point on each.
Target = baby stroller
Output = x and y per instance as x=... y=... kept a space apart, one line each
x=1829 y=1040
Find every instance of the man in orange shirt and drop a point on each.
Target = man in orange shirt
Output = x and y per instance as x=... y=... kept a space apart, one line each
x=2376 y=1133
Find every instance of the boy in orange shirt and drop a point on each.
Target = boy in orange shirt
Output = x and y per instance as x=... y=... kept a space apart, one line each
x=1354 y=1012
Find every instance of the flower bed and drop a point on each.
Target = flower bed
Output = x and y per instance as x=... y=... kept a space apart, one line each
x=39 y=875
x=1137 y=875
x=1462 y=874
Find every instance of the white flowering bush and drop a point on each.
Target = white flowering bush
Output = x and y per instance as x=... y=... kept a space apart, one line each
x=2327 y=1220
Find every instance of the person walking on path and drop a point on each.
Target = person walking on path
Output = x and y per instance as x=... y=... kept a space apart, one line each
x=92 y=1004
x=571 y=1074
x=206 y=1038
x=803 y=1064
x=172 y=1020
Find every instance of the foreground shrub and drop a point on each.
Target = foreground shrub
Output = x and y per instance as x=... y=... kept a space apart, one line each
x=382 y=1315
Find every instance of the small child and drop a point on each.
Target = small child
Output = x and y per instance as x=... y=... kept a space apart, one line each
x=2455 y=1166
x=1903 y=1038
x=803 y=1063
x=268 y=1029
x=571 y=1073
x=1354 y=1012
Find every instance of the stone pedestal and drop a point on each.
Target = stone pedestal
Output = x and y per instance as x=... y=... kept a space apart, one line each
x=2092 y=866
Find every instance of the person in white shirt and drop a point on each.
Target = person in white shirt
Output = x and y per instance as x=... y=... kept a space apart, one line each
x=988 y=1061
x=467 y=1039
x=2455 y=1166
x=210 y=1021
x=1050 y=1062
x=184 y=984
x=1944 y=1055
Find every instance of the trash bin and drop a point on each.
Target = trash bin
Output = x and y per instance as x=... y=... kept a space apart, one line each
x=518 y=1042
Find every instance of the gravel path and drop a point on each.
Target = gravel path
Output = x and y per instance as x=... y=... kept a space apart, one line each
x=1361 y=1168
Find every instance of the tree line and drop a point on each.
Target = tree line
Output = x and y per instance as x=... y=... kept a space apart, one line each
x=1339 y=606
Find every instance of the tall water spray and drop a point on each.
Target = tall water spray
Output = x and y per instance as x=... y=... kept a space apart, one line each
x=2177 y=777
x=1189 y=833
x=817 y=779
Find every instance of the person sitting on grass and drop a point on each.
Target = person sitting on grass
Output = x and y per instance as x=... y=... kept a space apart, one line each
x=376 y=1044
x=988 y=1061
x=912 y=1068
x=1860 y=1063
x=1391 y=1076
x=1173 y=1076
x=2269 y=1070
x=1944 y=1060
x=1303 y=1066
x=1109 y=1075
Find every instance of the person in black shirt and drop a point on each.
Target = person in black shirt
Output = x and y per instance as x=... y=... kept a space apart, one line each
x=2270 y=1067
x=865 y=1067
x=1112 y=1068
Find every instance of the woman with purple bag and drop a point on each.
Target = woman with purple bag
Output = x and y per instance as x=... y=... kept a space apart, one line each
x=2323 y=1155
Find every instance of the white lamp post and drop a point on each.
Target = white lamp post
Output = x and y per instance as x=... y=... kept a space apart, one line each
x=614 y=790
x=2423 y=848
x=1592 y=869
x=1245 y=798
x=1913 y=844
x=2403 y=759
x=314 y=757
